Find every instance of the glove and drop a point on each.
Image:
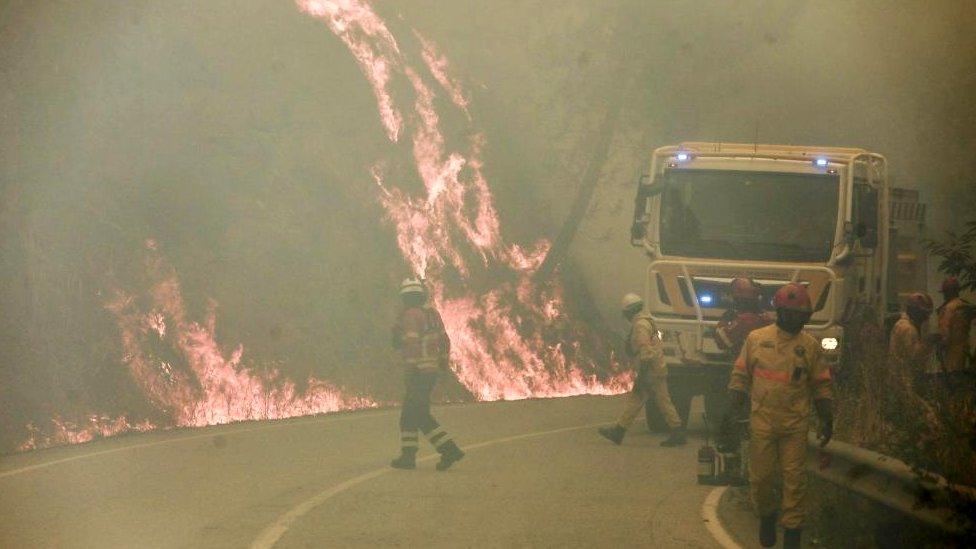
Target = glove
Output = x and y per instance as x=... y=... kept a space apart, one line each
x=728 y=438
x=737 y=404
x=825 y=413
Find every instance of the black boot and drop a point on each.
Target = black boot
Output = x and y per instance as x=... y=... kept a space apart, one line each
x=791 y=538
x=407 y=459
x=677 y=438
x=767 y=530
x=450 y=453
x=614 y=434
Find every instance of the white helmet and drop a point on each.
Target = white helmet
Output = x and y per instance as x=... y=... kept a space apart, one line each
x=632 y=302
x=412 y=286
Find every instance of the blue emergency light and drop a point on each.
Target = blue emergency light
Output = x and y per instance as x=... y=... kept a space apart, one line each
x=820 y=162
x=705 y=299
x=682 y=157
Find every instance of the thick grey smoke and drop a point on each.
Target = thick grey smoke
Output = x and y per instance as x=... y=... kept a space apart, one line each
x=240 y=136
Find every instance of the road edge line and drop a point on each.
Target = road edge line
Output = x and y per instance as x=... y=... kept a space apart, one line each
x=709 y=513
x=273 y=533
x=329 y=418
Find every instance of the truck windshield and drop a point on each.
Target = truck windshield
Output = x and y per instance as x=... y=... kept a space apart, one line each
x=747 y=215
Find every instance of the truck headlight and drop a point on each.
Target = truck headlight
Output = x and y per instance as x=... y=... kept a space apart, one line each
x=829 y=343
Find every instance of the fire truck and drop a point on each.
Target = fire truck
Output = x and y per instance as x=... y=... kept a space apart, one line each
x=707 y=213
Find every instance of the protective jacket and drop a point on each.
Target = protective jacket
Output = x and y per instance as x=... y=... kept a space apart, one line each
x=783 y=373
x=735 y=326
x=907 y=348
x=955 y=318
x=421 y=338
x=645 y=347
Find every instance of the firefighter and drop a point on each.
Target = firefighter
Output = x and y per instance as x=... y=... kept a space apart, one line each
x=424 y=349
x=645 y=348
x=909 y=347
x=744 y=316
x=781 y=367
x=955 y=318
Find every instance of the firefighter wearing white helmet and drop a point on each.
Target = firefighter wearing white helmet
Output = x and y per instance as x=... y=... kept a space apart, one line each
x=645 y=349
x=424 y=348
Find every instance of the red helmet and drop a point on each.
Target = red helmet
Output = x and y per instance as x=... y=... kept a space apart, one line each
x=743 y=288
x=793 y=296
x=921 y=302
x=950 y=285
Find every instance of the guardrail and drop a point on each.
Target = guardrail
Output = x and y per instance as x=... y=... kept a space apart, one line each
x=886 y=480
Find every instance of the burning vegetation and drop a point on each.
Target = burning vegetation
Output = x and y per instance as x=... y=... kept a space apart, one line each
x=512 y=336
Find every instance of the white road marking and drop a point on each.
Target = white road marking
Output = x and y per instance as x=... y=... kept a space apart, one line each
x=709 y=513
x=272 y=534
x=212 y=433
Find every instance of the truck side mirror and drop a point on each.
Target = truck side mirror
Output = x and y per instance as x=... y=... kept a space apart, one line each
x=866 y=216
x=869 y=239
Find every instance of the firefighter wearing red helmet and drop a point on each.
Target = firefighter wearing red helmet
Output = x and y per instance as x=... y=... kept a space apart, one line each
x=909 y=346
x=955 y=319
x=781 y=367
x=424 y=348
x=744 y=316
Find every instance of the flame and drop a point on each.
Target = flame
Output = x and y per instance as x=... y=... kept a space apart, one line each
x=509 y=340
x=186 y=375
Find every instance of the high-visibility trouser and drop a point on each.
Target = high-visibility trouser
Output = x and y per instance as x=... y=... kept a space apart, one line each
x=415 y=414
x=650 y=388
x=775 y=456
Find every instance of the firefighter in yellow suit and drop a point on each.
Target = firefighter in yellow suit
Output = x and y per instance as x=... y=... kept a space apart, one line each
x=955 y=320
x=781 y=366
x=645 y=348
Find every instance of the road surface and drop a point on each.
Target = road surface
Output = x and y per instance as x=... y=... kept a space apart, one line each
x=536 y=474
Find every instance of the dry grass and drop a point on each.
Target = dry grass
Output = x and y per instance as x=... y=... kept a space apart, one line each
x=929 y=423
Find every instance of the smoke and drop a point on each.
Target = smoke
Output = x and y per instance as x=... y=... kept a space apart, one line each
x=244 y=138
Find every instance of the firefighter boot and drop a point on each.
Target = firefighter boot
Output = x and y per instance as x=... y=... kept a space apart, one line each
x=767 y=530
x=450 y=453
x=614 y=434
x=791 y=538
x=407 y=459
x=677 y=438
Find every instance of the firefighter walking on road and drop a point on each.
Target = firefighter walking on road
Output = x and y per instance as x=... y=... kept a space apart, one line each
x=424 y=348
x=781 y=367
x=646 y=350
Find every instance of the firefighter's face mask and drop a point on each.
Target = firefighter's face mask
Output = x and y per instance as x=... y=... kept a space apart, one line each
x=413 y=299
x=792 y=321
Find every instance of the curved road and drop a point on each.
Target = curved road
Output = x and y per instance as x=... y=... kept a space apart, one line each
x=536 y=474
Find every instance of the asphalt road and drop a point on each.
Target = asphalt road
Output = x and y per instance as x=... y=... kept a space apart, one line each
x=536 y=474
